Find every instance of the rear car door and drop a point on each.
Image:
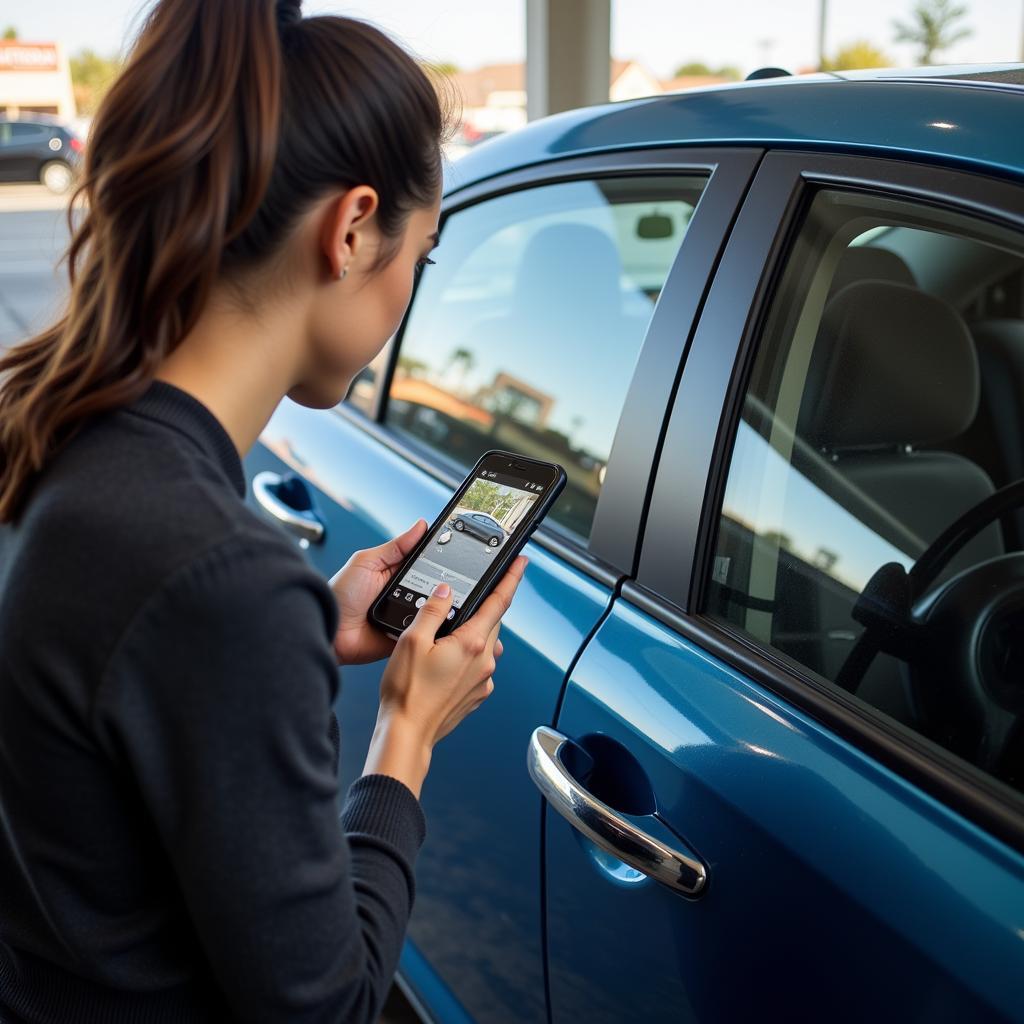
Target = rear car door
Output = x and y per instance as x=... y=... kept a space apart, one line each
x=530 y=334
x=760 y=806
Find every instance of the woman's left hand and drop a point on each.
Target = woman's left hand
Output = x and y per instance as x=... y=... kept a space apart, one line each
x=356 y=586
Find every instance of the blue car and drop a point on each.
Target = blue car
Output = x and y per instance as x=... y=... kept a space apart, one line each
x=756 y=749
x=479 y=525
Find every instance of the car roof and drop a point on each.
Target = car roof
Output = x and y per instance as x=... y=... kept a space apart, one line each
x=958 y=115
x=29 y=118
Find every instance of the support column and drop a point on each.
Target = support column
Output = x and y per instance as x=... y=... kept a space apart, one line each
x=568 y=55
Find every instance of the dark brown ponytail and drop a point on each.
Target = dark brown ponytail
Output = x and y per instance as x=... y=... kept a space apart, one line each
x=229 y=119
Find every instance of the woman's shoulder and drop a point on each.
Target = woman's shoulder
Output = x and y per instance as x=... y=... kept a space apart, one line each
x=111 y=524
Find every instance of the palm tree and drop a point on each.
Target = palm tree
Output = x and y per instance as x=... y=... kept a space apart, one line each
x=932 y=29
x=465 y=360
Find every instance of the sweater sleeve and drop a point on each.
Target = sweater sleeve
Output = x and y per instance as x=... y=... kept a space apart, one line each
x=219 y=699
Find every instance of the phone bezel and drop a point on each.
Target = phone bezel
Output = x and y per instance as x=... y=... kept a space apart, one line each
x=500 y=461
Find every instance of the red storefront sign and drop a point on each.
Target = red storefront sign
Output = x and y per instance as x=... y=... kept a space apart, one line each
x=18 y=56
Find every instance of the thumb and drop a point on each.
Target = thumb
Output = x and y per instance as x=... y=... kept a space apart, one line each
x=429 y=618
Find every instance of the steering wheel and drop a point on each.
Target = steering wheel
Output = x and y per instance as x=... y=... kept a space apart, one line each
x=962 y=640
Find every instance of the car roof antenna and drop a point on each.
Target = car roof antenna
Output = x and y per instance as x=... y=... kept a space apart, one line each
x=768 y=72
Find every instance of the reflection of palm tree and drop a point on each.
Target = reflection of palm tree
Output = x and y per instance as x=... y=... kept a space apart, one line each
x=411 y=365
x=465 y=360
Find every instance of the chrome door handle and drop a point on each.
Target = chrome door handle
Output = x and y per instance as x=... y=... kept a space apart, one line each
x=681 y=872
x=303 y=522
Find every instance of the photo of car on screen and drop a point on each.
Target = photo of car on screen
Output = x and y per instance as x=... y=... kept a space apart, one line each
x=464 y=546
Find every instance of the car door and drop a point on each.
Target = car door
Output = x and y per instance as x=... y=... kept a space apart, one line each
x=740 y=826
x=8 y=159
x=530 y=333
x=22 y=150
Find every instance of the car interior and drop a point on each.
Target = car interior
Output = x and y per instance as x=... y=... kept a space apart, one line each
x=900 y=406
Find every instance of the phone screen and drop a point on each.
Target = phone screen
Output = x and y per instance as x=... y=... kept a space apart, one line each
x=488 y=515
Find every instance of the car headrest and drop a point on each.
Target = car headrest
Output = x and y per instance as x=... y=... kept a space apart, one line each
x=868 y=263
x=571 y=267
x=896 y=366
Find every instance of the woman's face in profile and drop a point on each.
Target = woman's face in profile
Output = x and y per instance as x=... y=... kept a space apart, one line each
x=353 y=319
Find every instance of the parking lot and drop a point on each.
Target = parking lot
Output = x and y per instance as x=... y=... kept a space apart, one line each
x=465 y=554
x=33 y=234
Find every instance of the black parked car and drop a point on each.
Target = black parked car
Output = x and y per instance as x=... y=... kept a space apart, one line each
x=38 y=149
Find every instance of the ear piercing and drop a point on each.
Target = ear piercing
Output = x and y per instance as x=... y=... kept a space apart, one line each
x=344 y=272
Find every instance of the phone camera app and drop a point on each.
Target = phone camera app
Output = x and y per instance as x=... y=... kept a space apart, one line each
x=463 y=547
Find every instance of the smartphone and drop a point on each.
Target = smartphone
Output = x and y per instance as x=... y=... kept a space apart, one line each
x=473 y=541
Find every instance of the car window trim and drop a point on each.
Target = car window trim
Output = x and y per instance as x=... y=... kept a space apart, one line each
x=614 y=538
x=706 y=415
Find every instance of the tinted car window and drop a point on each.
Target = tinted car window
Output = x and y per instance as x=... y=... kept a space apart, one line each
x=525 y=333
x=22 y=132
x=866 y=431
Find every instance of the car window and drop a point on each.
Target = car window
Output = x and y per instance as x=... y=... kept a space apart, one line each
x=525 y=333
x=884 y=404
x=22 y=132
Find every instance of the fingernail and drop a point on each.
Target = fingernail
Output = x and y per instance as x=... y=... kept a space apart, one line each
x=442 y=590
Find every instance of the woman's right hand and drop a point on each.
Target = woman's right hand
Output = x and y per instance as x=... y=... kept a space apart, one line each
x=431 y=684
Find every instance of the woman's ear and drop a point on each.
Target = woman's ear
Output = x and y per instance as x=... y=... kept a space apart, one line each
x=343 y=231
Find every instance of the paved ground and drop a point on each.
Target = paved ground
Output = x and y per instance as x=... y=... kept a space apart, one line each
x=33 y=235
x=464 y=553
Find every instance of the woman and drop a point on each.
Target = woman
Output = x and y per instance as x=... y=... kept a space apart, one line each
x=261 y=189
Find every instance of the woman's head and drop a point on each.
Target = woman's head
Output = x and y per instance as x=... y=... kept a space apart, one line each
x=244 y=152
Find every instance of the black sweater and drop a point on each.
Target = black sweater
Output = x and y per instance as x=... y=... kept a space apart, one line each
x=170 y=843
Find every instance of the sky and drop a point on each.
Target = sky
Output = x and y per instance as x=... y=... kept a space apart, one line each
x=661 y=34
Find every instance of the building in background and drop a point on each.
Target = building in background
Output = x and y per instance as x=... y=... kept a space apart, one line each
x=494 y=97
x=35 y=79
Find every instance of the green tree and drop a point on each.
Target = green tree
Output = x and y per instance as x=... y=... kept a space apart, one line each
x=932 y=28
x=859 y=54
x=91 y=77
x=441 y=67
x=482 y=496
x=10 y=32
x=696 y=68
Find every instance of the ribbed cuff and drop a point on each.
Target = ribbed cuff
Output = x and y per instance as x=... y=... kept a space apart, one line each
x=381 y=806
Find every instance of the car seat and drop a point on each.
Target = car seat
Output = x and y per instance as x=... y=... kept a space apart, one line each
x=1000 y=345
x=894 y=374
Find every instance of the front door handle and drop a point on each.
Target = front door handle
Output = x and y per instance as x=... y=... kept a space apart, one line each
x=287 y=500
x=681 y=872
